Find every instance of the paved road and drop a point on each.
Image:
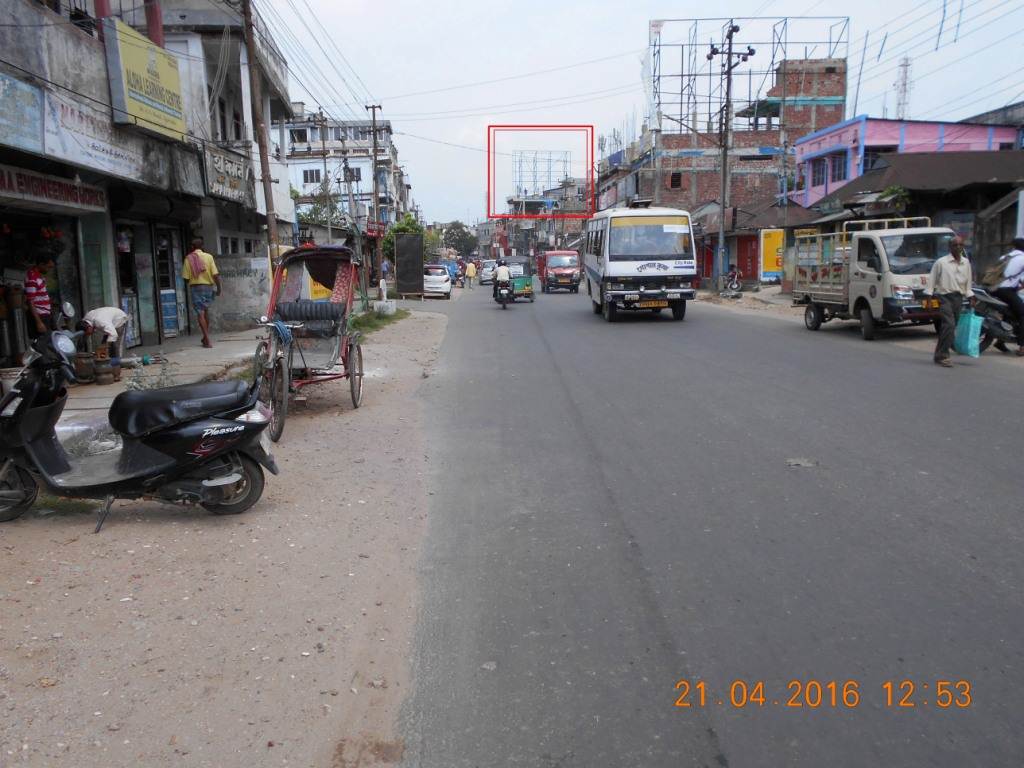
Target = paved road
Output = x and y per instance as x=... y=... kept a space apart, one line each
x=613 y=512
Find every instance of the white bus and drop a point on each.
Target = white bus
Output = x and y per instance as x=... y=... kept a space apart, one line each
x=639 y=259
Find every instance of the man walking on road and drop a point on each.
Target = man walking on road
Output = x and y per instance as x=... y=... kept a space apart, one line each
x=201 y=272
x=470 y=273
x=950 y=281
x=1013 y=274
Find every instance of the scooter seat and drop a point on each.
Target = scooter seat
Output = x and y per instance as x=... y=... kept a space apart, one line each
x=137 y=413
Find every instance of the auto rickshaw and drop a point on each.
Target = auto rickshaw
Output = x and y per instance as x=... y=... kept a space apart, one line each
x=522 y=279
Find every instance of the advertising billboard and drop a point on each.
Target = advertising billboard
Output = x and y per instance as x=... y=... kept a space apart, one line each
x=773 y=242
x=145 y=85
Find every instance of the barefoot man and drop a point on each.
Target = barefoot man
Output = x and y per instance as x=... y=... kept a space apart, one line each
x=200 y=271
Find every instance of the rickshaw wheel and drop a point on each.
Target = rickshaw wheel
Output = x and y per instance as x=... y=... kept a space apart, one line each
x=279 y=384
x=355 y=374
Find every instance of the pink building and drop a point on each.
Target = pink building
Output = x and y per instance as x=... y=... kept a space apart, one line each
x=829 y=158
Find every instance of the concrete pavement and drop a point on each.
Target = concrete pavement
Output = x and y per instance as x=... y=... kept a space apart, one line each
x=620 y=507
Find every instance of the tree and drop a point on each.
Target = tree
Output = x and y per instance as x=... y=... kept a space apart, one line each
x=458 y=236
x=431 y=242
x=317 y=211
x=408 y=224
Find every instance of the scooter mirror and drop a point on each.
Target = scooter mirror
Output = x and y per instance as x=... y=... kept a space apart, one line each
x=68 y=309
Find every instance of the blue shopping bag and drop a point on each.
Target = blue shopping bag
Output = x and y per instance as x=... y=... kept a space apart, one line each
x=968 y=334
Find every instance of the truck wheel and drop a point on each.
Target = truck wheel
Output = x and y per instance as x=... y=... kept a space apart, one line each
x=679 y=310
x=812 y=317
x=867 y=324
x=609 y=310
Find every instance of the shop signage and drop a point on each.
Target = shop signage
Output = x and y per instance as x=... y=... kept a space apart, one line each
x=21 y=114
x=228 y=176
x=145 y=85
x=83 y=135
x=41 y=190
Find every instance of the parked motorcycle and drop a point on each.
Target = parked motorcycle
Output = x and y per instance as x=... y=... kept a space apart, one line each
x=503 y=293
x=999 y=324
x=195 y=444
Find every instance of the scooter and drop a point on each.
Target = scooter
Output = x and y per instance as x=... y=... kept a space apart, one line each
x=195 y=444
x=503 y=293
x=998 y=323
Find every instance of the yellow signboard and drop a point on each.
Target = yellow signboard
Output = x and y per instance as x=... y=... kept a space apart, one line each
x=772 y=243
x=145 y=85
x=317 y=292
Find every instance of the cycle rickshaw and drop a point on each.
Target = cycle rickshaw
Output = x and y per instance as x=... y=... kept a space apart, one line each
x=309 y=340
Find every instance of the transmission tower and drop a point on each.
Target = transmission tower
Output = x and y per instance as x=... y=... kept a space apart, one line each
x=903 y=89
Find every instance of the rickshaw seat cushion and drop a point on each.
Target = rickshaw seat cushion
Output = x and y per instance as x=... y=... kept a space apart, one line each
x=136 y=413
x=306 y=310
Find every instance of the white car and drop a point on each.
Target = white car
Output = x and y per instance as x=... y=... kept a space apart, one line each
x=487 y=271
x=436 y=280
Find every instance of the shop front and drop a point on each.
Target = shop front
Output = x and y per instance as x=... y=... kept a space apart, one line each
x=39 y=227
x=150 y=231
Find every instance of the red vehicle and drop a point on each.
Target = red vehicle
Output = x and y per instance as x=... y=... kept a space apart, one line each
x=559 y=269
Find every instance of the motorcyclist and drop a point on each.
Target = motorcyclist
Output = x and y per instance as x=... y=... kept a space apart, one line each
x=502 y=274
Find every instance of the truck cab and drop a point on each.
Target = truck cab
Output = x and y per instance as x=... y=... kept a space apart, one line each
x=874 y=271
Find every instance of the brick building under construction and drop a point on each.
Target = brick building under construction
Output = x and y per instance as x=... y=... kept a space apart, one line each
x=683 y=170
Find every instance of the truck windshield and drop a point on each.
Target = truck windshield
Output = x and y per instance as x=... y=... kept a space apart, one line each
x=911 y=254
x=561 y=261
x=638 y=238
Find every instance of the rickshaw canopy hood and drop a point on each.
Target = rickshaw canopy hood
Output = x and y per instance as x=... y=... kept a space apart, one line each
x=320 y=261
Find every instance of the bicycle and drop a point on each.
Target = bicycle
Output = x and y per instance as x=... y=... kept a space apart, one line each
x=272 y=366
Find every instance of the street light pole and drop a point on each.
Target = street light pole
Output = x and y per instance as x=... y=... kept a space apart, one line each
x=732 y=60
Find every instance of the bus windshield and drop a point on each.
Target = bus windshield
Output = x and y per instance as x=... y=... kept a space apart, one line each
x=911 y=254
x=638 y=238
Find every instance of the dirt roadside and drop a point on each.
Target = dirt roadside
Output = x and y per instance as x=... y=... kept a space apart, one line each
x=279 y=637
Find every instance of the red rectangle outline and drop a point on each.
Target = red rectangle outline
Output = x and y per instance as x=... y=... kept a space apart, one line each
x=588 y=130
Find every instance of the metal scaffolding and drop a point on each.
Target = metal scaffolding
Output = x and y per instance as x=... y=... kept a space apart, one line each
x=537 y=170
x=688 y=90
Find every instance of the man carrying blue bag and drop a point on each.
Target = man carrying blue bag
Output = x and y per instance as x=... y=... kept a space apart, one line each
x=950 y=282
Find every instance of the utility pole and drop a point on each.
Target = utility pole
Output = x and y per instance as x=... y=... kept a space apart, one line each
x=732 y=60
x=256 y=95
x=354 y=215
x=329 y=201
x=372 y=108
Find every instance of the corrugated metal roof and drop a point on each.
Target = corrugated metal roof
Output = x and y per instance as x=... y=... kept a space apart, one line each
x=936 y=171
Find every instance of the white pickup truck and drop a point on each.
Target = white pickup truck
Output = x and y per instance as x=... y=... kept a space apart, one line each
x=876 y=271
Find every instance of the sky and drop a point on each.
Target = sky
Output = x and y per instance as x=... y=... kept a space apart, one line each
x=444 y=70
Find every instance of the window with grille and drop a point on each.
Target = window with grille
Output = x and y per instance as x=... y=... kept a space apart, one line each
x=311 y=176
x=676 y=180
x=299 y=136
x=838 y=163
x=818 y=171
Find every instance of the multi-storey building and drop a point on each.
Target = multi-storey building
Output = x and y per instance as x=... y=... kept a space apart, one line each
x=214 y=63
x=310 y=139
x=683 y=170
x=830 y=158
x=113 y=186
